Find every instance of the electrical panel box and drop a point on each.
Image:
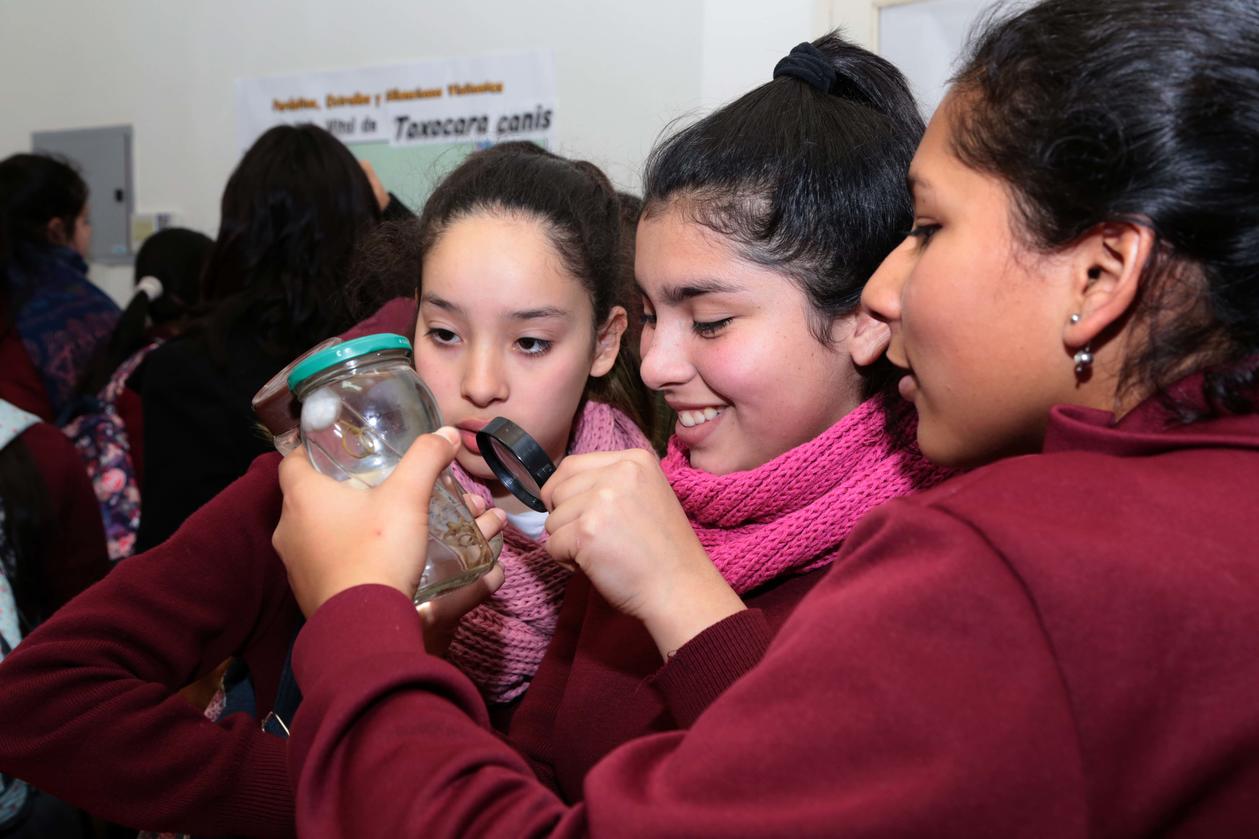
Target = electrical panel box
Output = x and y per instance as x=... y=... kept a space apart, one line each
x=103 y=157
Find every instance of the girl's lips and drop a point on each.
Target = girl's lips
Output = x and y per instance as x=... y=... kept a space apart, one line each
x=468 y=438
x=467 y=434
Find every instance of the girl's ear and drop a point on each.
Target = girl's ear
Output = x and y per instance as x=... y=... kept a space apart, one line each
x=608 y=341
x=1107 y=269
x=57 y=232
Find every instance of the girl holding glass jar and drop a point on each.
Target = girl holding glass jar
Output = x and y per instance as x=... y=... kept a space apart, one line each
x=521 y=263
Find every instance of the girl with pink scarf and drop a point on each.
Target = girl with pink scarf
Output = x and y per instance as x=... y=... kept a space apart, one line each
x=760 y=226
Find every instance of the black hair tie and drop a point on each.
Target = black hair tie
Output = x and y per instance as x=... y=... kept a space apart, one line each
x=810 y=65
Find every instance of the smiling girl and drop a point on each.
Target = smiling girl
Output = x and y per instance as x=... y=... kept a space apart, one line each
x=521 y=267
x=750 y=257
x=1060 y=642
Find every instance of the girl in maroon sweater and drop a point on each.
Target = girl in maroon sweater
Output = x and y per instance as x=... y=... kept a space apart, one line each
x=522 y=265
x=1059 y=643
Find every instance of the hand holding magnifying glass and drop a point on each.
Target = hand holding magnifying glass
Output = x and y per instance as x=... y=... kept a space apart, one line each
x=616 y=517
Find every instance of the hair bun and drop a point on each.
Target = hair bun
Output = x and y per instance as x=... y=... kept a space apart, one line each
x=810 y=65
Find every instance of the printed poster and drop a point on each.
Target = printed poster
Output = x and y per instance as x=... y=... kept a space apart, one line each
x=414 y=121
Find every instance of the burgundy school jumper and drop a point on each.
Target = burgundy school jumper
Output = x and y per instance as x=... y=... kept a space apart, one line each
x=88 y=710
x=1055 y=645
x=73 y=552
x=20 y=382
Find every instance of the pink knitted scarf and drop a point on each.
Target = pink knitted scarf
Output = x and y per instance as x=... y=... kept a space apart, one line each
x=500 y=643
x=792 y=514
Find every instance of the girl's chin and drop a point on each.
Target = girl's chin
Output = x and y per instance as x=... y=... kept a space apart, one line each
x=474 y=465
x=715 y=463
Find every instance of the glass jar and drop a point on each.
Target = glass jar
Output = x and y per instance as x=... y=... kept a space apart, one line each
x=362 y=406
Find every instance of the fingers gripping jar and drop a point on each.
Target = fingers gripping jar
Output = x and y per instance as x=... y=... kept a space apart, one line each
x=362 y=406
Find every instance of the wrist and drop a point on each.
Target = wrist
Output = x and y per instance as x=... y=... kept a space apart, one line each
x=690 y=608
x=338 y=583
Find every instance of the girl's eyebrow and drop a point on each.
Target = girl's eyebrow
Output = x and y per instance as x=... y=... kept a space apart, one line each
x=675 y=294
x=542 y=312
x=918 y=186
x=440 y=302
x=524 y=314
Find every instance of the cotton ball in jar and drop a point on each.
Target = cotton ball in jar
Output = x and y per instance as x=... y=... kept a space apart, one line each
x=320 y=410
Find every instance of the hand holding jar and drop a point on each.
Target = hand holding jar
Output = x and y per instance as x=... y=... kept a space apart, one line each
x=361 y=407
x=333 y=536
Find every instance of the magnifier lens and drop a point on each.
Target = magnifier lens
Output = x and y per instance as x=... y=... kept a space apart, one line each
x=518 y=461
x=517 y=469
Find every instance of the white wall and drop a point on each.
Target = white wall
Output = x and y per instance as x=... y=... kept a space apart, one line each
x=624 y=70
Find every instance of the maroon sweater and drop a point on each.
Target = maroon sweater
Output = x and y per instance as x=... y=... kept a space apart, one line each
x=73 y=553
x=88 y=709
x=1055 y=645
x=600 y=658
x=20 y=382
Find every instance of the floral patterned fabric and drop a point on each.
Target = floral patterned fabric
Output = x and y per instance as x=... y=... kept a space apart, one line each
x=101 y=439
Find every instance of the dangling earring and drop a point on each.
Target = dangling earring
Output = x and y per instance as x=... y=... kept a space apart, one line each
x=1083 y=357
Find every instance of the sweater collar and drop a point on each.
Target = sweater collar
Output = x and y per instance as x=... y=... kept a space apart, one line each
x=1150 y=428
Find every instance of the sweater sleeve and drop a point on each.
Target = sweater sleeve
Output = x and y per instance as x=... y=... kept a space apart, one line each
x=75 y=554
x=88 y=703
x=913 y=692
x=710 y=662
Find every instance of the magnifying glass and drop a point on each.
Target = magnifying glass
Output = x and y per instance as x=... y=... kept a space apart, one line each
x=517 y=460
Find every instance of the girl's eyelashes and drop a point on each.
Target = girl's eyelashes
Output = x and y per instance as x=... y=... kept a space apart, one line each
x=923 y=232
x=705 y=329
x=441 y=336
x=708 y=329
x=533 y=346
x=527 y=345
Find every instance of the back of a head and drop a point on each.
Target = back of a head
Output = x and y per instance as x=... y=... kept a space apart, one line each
x=1136 y=110
x=35 y=189
x=177 y=257
x=807 y=178
x=292 y=213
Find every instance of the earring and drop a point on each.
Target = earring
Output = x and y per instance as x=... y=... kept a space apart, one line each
x=1083 y=357
x=1084 y=362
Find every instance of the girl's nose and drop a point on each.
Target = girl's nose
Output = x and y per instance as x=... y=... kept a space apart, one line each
x=665 y=362
x=484 y=380
x=882 y=295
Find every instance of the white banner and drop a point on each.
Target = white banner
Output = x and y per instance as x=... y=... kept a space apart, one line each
x=476 y=99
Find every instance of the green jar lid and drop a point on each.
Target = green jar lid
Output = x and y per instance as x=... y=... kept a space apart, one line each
x=337 y=353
